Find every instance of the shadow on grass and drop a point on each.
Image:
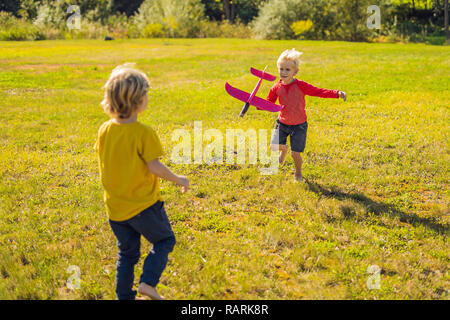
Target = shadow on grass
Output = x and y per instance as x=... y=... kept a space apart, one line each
x=375 y=207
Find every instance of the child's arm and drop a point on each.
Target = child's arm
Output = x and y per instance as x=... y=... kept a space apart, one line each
x=310 y=90
x=160 y=170
x=272 y=96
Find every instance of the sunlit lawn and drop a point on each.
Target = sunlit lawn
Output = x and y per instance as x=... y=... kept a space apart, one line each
x=376 y=169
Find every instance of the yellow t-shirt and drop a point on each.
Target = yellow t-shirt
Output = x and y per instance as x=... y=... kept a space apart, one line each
x=123 y=152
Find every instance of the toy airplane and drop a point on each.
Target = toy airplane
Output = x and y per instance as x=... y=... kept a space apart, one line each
x=252 y=99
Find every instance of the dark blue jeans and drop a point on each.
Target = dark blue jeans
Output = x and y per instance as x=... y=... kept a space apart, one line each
x=153 y=224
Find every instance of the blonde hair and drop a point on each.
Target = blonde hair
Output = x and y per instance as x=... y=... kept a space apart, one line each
x=124 y=91
x=290 y=55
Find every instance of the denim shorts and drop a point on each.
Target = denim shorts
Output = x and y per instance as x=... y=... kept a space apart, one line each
x=296 y=132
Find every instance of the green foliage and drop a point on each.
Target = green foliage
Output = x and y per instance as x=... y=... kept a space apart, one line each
x=247 y=10
x=29 y=9
x=52 y=13
x=331 y=19
x=241 y=10
x=224 y=29
x=128 y=7
x=324 y=16
x=178 y=18
x=12 y=6
x=435 y=40
x=12 y=28
x=352 y=19
x=301 y=26
x=153 y=30
x=276 y=16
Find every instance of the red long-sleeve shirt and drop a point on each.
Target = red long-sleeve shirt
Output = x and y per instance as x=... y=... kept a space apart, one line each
x=292 y=96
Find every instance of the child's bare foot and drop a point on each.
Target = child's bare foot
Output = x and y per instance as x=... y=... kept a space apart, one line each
x=149 y=291
x=139 y=298
x=298 y=177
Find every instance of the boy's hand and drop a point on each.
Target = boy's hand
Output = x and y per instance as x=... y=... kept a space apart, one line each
x=160 y=170
x=342 y=95
x=184 y=182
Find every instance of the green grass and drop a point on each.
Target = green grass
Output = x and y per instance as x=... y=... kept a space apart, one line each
x=376 y=165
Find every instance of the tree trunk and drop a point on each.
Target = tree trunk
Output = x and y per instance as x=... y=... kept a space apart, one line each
x=232 y=11
x=226 y=9
x=447 y=33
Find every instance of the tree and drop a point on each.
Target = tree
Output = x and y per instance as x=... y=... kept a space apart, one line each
x=247 y=10
x=29 y=9
x=276 y=17
x=54 y=12
x=12 y=6
x=352 y=15
x=447 y=33
x=228 y=8
x=231 y=10
x=129 y=7
x=213 y=9
x=177 y=18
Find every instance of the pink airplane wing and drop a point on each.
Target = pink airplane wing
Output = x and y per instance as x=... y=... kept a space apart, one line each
x=265 y=105
x=236 y=93
x=259 y=103
x=260 y=74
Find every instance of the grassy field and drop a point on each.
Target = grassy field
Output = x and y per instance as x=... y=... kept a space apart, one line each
x=376 y=169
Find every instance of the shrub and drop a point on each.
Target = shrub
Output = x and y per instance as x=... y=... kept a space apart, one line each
x=276 y=16
x=153 y=30
x=436 y=40
x=133 y=31
x=177 y=18
x=89 y=30
x=51 y=14
x=225 y=29
x=330 y=19
x=301 y=26
x=352 y=17
x=12 y=28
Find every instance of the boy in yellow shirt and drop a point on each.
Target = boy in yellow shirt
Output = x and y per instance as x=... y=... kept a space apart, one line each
x=128 y=153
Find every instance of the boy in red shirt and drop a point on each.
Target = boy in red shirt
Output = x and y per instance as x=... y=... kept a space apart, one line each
x=292 y=118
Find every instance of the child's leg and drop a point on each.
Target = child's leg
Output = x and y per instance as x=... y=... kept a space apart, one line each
x=278 y=141
x=298 y=142
x=298 y=161
x=281 y=147
x=154 y=265
x=154 y=225
x=128 y=241
x=156 y=261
